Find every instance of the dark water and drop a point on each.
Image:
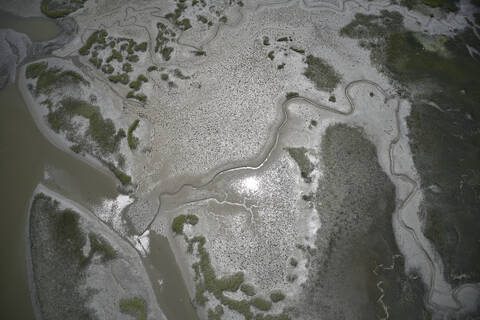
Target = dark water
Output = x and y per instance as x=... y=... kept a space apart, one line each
x=171 y=290
x=36 y=28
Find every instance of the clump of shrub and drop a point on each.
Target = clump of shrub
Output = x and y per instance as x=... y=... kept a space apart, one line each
x=107 y=68
x=136 y=307
x=124 y=178
x=97 y=62
x=123 y=78
x=116 y=55
x=132 y=140
x=248 y=289
x=141 y=47
x=127 y=67
x=97 y=36
x=50 y=78
x=58 y=9
x=293 y=261
x=277 y=296
x=132 y=58
x=166 y=53
x=261 y=304
x=321 y=73
x=179 y=222
x=199 y=53
x=34 y=70
x=291 y=95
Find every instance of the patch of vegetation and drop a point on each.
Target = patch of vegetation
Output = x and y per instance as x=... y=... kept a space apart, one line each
x=164 y=36
x=202 y=19
x=223 y=19
x=60 y=8
x=321 y=73
x=367 y=26
x=53 y=78
x=56 y=243
x=293 y=261
x=152 y=68
x=98 y=36
x=303 y=162
x=132 y=140
x=136 y=307
x=179 y=222
x=282 y=39
x=271 y=55
x=139 y=96
x=98 y=245
x=266 y=41
x=215 y=314
x=174 y=17
x=107 y=68
x=141 y=47
x=34 y=70
x=199 y=53
x=298 y=50
x=102 y=131
x=248 y=289
x=124 y=178
x=178 y=73
x=291 y=95
x=281 y=66
x=166 y=53
x=97 y=62
x=132 y=58
x=127 y=67
x=115 y=55
x=261 y=304
x=332 y=99
x=123 y=78
x=277 y=295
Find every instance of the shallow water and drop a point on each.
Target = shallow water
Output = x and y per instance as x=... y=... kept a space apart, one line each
x=36 y=28
x=167 y=280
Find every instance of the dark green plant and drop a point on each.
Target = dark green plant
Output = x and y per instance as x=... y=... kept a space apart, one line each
x=97 y=36
x=277 y=296
x=321 y=73
x=248 y=289
x=132 y=140
x=136 y=307
x=179 y=221
x=34 y=70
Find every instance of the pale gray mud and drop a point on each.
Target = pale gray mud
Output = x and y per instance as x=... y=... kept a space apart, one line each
x=356 y=256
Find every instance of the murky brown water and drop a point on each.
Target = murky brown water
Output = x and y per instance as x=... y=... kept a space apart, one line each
x=167 y=280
